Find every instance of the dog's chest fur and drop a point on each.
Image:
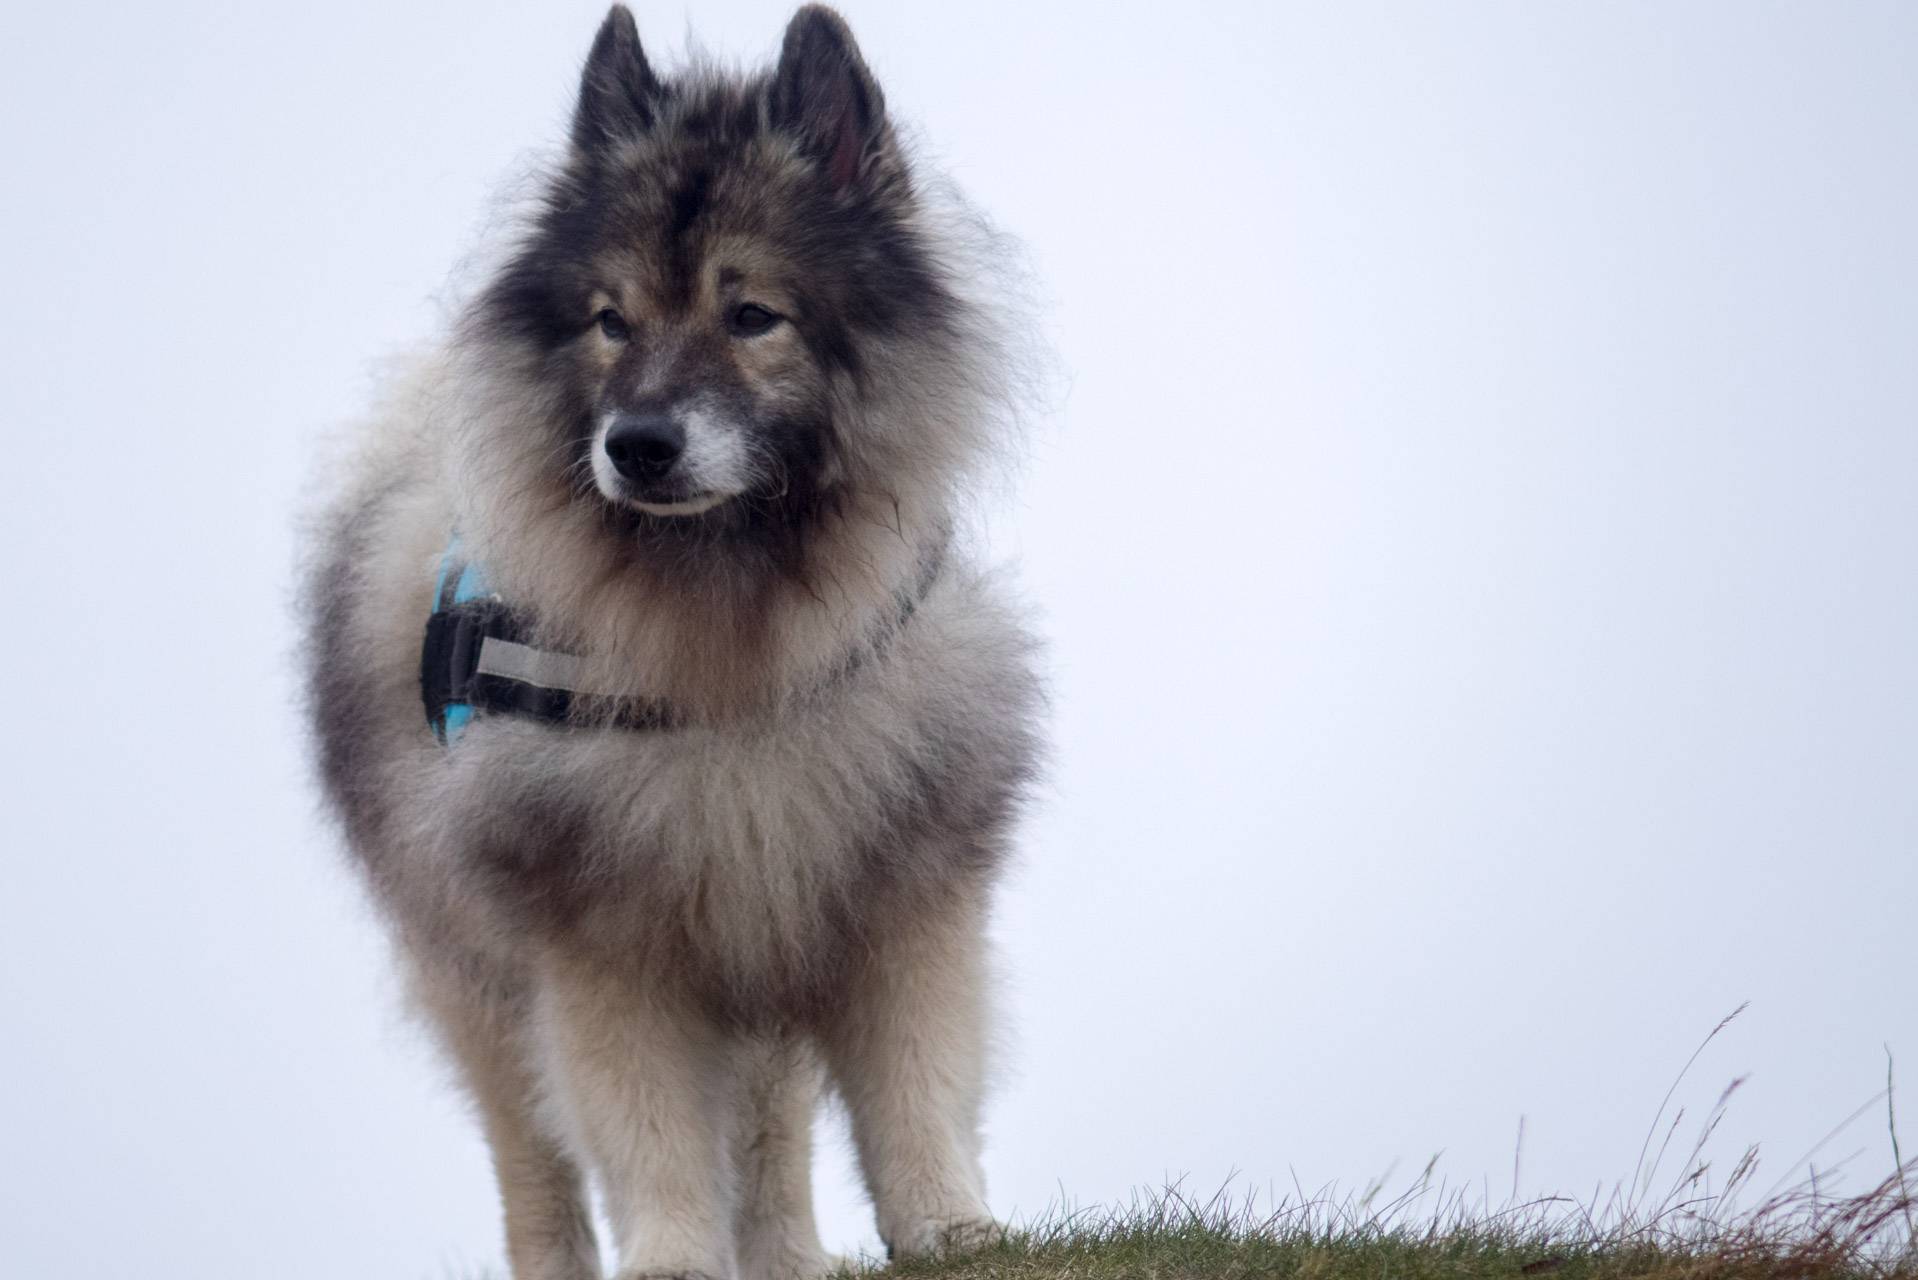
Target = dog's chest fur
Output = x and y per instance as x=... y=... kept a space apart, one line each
x=750 y=857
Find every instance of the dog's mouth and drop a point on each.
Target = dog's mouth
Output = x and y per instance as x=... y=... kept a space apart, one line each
x=688 y=506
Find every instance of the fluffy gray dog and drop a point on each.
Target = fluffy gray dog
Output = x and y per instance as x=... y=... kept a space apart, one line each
x=676 y=736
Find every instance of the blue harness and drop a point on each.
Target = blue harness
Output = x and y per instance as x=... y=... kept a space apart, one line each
x=476 y=658
x=468 y=583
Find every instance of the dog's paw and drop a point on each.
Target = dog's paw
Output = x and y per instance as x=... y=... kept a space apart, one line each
x=799 y=1264
x=820 y=1266
x=936 y=1236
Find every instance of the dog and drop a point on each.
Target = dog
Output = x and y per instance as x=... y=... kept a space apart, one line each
x=678 y=733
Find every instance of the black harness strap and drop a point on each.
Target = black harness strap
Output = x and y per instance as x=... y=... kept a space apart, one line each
x=476 y=658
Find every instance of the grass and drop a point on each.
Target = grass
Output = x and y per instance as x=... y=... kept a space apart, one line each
x=1170 y=1236
x=1700 y=1226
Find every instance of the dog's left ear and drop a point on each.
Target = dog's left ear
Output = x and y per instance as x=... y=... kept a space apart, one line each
x=823 y=94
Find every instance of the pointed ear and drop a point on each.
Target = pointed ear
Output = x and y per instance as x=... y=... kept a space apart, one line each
x=617 y=91
x=823 y=95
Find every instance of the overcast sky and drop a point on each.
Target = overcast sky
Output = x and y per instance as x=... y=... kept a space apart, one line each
x=1477 y=549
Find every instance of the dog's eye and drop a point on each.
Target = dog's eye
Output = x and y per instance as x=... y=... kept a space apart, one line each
x=750 y=318
x=612 y=326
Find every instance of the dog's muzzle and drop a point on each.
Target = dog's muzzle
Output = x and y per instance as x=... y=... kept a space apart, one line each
x=646 y=460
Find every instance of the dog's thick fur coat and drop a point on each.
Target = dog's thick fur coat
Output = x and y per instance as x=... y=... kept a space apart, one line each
x=707 y=427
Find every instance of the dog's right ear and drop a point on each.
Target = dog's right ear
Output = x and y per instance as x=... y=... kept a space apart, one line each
x=617 y=91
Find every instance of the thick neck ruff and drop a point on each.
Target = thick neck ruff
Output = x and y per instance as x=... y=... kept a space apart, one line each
x=476 y=659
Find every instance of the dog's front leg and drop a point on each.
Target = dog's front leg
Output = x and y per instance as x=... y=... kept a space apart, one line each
x=909 y=1057
x=549 y=1226
x=776 y=1236
x=645 y=1091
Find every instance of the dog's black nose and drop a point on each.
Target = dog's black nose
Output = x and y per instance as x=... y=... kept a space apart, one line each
x=644 y=446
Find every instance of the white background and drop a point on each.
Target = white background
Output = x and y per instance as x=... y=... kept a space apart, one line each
x=1478 y=552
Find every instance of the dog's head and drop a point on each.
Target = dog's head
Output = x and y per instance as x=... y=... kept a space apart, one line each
x=712 y=270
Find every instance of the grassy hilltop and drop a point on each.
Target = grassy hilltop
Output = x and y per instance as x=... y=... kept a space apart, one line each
x=1796 y=1236
x=1703 y=1225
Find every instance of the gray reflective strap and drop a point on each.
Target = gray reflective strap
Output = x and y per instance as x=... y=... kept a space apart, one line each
x=541 y=667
